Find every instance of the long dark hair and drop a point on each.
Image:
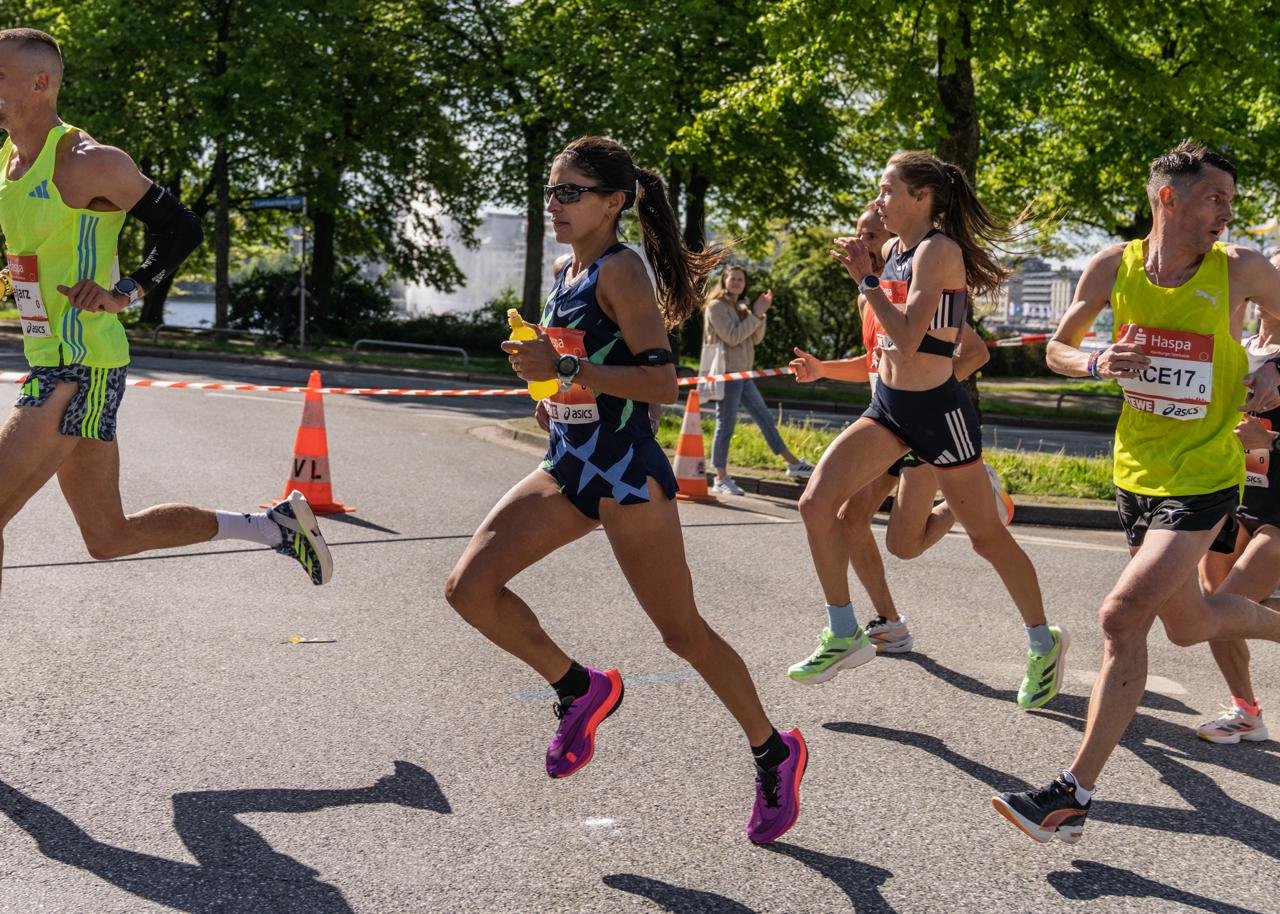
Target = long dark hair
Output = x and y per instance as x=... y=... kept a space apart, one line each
x=680 y=273
x=960 y=215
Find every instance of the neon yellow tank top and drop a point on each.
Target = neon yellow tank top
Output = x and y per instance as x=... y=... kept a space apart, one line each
x=1169 y=441
x=49 y=244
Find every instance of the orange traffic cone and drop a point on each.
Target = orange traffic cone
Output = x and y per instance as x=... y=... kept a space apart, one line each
x=311 y=456
x=691 y=457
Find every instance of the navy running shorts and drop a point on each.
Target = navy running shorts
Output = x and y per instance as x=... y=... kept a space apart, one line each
x=607 y=466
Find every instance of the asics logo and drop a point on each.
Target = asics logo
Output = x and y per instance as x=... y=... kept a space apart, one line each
x=1203 y=294
x=42 y=191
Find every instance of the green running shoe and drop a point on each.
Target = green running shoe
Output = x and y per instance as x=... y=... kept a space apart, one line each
x=833 y=655
x=1044 y=674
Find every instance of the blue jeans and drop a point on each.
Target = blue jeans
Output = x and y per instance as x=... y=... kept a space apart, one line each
x=746 y=394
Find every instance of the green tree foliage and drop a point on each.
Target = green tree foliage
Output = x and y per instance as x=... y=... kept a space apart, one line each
x=1060 y=105
x=224 y=100
x=815 y=303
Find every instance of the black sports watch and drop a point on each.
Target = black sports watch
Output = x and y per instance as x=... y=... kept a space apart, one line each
x=1275 y=444
x=129 y=288
x=567 y=368
x=869 y=282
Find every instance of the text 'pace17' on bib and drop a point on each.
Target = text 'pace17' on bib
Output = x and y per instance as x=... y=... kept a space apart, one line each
x=1179 y=381
x=24 y=276
x=577 y=405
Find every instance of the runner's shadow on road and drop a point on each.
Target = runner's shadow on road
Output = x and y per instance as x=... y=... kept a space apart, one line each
x=1076 y=705
x=859 y=881
x=353 y=521
x=674 y=898
x=1091 y=881
x=238 y=871
x=1214 y=813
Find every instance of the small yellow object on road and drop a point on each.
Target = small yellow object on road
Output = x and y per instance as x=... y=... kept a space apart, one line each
x=298 y=639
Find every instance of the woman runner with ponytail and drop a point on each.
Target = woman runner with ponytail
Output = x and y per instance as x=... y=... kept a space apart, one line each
x=920 y=302
x=604 y=335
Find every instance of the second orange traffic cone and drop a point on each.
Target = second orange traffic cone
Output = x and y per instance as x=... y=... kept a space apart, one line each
x=691 y=456
x=310 y=474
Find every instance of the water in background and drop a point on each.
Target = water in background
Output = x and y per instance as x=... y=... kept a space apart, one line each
x=188 y=311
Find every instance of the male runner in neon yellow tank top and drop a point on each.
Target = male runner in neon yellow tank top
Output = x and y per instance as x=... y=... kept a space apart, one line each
x=1179 y=300
x=63 y=198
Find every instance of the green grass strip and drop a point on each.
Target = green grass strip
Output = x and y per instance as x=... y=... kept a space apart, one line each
x=1056 y=474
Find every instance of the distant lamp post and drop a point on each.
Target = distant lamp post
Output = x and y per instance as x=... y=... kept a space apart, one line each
x=294 y=204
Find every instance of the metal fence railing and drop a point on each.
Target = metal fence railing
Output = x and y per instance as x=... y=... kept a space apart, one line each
x=466 y=360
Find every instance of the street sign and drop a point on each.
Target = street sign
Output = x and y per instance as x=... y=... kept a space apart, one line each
x=293 y=203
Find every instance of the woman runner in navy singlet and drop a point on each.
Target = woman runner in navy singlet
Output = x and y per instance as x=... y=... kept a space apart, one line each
x=604 y=336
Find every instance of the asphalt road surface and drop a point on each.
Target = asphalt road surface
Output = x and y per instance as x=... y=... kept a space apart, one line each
x=164 y=747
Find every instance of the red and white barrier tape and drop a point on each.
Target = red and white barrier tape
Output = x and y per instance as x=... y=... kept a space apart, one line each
x=1025 y=339
x=17 y=376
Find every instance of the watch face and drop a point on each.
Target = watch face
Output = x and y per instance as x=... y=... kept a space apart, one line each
x=567 y=366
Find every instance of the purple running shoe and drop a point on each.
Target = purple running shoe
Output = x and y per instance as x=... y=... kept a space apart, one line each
x=778 y=792
x=575 y=740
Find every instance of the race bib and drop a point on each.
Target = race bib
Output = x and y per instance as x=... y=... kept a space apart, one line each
x=1179 y=381
x=883 y=343
x=577 y=405
x=24 y=276
x=1257 y=462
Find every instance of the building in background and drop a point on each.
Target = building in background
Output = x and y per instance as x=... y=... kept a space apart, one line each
x=495 y=265
x=1034 y=299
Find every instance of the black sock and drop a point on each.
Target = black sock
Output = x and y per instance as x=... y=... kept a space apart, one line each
x=573 y=684
x=771 y=753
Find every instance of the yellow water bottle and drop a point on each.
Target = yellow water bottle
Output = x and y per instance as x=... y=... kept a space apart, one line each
x=521 y=331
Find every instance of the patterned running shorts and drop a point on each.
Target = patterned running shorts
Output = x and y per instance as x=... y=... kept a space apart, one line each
x=91 y=413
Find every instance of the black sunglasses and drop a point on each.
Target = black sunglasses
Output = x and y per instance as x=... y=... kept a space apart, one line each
x=572 y=193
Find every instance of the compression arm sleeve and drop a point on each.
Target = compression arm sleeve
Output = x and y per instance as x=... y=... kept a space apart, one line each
x=174 y=231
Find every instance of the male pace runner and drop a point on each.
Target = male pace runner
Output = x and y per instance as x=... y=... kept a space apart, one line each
x=63 y=199
x=1179 y=300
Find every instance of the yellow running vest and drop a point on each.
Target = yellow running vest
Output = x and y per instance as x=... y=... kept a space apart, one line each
x=1158 y=451
x=48 y=244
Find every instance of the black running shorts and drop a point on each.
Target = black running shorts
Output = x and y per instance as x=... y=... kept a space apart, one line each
x=1140 y=513
x=940 y=425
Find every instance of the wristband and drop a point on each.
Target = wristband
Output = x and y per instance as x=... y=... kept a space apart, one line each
x=1093 y=363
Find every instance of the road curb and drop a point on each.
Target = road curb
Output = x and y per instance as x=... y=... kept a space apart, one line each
x=1028 y=513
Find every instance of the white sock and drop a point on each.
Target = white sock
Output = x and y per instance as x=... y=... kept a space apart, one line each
x=256 y=528
x=1084 y=796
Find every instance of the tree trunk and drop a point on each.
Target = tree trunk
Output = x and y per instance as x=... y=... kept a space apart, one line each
x=222 y=174
x=689 y=337
x=221 y=234
x=695 y=211
x=675 y=183
x=536 y=139
x=959 y=144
